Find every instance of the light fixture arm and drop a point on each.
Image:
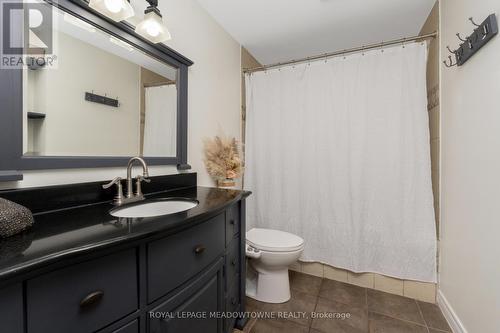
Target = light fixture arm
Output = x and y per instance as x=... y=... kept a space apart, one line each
x=153 y=7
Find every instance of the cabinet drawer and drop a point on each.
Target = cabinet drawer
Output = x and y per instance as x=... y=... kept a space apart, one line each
x=232 y=222
x=84 y=297
x=232 y=262
x=201 y=297
x=175 y=259
x=132 y=327
x=11 y=309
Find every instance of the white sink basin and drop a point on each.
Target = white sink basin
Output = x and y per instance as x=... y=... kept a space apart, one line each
x=154 y=208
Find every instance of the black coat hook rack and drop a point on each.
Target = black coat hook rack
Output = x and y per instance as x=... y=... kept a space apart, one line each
x=481 y=35
x=91 y=97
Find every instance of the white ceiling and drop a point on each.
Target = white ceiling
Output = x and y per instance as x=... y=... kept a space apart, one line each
x=279 y=30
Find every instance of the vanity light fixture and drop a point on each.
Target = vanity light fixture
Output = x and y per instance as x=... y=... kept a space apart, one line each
x=152 y=27
x=117 y=10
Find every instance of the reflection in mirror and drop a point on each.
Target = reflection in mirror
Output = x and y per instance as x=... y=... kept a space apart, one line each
x=101 y=97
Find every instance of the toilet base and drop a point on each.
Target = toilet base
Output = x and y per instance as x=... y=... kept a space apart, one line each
x=269 y=287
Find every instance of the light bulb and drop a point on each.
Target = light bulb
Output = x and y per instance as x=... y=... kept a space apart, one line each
x=153 y=29
x=113 y=6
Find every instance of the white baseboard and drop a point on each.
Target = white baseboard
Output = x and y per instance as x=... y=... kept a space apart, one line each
x=450 y=315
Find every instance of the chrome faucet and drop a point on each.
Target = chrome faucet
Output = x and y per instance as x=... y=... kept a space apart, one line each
x=130 y=196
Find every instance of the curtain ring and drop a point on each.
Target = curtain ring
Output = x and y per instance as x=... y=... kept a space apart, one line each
x=382 y=47
x=403 y=43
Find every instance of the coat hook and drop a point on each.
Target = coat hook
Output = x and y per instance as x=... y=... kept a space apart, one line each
x=472 y=21
x=485 y=27
x=449 y=50
x=458 y=35
x=451 y=64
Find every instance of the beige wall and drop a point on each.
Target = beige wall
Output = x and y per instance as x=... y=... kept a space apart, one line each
x=470 y=177
x=431 y=25
x=214 y=79
x=214 y=92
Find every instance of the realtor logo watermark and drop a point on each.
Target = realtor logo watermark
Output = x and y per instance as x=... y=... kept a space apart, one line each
x=27 y=34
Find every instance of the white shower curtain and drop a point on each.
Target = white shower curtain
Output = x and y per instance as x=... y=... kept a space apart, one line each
x=337 y=152
x=160 y=123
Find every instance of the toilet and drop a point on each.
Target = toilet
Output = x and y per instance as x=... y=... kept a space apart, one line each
x=270 y=252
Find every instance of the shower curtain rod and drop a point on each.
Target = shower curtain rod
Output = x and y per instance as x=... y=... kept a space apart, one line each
x=351 y=50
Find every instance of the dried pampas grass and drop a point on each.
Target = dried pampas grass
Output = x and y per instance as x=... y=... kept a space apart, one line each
x=222 y=158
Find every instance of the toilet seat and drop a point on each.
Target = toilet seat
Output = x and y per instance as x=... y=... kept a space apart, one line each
x=274 y=240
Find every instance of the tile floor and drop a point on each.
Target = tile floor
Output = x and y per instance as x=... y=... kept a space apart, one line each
x=371 y=311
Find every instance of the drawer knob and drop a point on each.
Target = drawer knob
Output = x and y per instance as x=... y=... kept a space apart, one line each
x=199 y=249
x=91 y=298
x=231 y=222
x=233 y=301
x=233 y=262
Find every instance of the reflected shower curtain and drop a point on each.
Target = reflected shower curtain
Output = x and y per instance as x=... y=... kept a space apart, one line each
x=160 y=123
x=338 y=153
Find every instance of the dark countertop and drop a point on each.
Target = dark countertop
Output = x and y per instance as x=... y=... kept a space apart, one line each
x=73 y=231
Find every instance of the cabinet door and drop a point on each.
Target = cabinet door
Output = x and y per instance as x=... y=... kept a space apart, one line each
x=193 y=308
x=11 y=309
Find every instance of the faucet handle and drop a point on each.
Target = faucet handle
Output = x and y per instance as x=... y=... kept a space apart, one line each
x=141 y=178
x=116 y=181
x=138 y=188
x=118 y=200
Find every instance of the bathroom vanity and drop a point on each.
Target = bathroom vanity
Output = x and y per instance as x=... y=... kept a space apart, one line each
x=101 y=95
x=79 y=269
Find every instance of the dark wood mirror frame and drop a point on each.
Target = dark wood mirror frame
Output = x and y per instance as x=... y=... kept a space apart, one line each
x=12 y=160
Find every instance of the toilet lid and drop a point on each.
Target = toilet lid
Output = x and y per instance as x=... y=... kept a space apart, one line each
x=274 y=240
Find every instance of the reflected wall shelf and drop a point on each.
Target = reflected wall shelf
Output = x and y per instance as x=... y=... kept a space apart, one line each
x=36 y=115
x=10 y=175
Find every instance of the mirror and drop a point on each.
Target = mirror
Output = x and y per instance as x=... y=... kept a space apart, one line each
x=100 y=97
